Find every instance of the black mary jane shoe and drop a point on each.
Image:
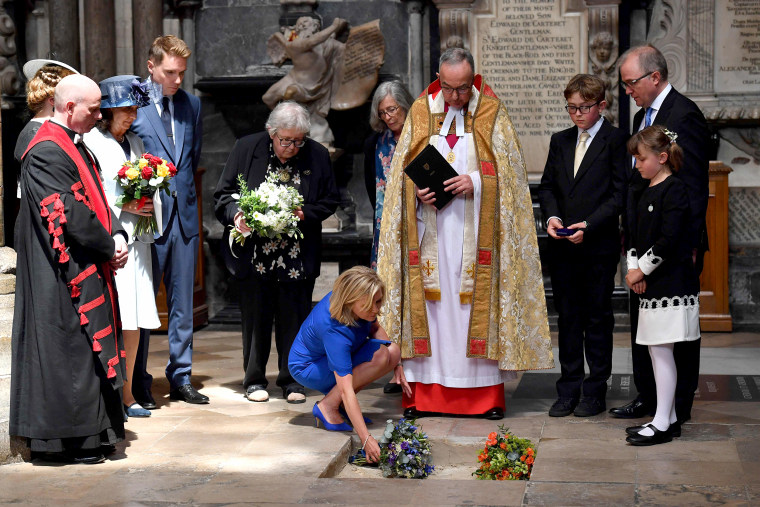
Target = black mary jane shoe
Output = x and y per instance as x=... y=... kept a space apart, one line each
x=675 y=429
x=659 y=437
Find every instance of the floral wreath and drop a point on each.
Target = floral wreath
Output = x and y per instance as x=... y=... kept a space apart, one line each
x=671 y=135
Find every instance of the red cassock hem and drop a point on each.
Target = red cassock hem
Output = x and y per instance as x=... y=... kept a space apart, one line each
x=454 y=400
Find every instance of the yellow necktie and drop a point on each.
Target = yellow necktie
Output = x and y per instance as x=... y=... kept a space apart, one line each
x=580 y=150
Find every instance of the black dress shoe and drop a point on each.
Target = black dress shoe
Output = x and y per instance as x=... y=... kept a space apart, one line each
x=563 y=407
x=146 y=401
x=495 y=414
x=188 y=394
x=659 y=437
x=107 y=449
x=589 y=407
x=675 y=429
x=633 y=410
x=391 y=388
x=410 y=413
x=80 y=457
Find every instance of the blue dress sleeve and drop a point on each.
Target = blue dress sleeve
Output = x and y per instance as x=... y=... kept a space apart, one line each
x=339 y=347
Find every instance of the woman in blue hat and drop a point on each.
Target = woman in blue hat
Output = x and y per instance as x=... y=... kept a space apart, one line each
x=113 y=144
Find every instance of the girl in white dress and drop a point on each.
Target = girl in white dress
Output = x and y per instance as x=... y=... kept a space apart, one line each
x=660 y=270
x=113 y=145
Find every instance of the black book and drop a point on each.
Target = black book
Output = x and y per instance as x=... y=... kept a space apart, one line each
x=429 y=170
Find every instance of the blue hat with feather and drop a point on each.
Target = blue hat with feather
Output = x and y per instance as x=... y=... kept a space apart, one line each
x=124 y=91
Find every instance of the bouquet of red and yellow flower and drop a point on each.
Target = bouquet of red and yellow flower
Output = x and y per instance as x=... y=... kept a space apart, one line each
x=141 y=179
x=506 y=457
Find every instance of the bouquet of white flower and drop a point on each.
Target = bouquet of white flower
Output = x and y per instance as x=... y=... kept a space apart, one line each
x=268 y=210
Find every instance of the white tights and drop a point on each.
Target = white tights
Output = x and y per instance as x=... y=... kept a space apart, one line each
x=665 y=376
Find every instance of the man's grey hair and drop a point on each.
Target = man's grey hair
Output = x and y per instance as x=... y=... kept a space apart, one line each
x=288 y=115
x=650 y=60
x=453 y=56
x=398 y=92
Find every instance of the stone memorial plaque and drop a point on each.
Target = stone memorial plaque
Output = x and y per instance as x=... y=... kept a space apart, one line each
x=737 y=45
x=527 y=51
x=362 y=59
x=744 y=217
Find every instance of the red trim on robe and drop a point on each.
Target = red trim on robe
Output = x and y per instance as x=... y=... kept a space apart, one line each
x=454 y=400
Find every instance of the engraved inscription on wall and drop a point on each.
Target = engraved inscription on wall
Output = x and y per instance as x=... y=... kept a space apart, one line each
x=737 y=45
x=527 y=51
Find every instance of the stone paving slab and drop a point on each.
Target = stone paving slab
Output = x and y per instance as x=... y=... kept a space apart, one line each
x=235 y=452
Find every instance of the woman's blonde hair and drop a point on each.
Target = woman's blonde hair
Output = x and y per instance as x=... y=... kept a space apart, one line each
x=42 y=86
x=355 y=284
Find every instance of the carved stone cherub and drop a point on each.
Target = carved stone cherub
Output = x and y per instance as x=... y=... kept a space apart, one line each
x=317 y=58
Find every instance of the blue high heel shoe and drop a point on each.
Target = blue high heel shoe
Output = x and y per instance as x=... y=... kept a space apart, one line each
x=317 y=413
x=343 y=412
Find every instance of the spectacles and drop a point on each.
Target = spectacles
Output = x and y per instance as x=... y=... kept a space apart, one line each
x=389 y=112
x=583 y=109
x=460 y=90
x=287 y=142
x=629 y=84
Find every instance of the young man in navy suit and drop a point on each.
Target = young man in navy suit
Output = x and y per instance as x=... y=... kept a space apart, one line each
x=644 y=76
x=581 y=195
x=171 y=129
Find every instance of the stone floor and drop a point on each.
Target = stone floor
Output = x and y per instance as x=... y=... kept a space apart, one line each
x=236 y=452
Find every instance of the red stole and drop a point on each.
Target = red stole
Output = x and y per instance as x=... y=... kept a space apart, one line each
x=93 y=190
x=50 y=131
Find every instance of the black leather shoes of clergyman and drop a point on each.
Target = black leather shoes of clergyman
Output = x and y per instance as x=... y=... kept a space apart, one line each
x=633 y=410
x=495 y=414
x=187 y=393
x=81 y=457
x=391 y=388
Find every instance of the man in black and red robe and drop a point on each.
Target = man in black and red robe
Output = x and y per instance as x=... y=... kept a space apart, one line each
x=68 y=356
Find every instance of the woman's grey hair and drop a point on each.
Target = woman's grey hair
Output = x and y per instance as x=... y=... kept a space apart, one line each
x=650 y=59
x=398 y=92
x=288 y=115
x=453 y=56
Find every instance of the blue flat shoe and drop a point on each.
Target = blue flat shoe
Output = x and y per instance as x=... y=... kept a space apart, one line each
x=135 y=410
x=343 y=412
x=317 y=413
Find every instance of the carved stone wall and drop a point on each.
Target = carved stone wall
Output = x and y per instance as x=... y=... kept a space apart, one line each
x=604 y=49
x=9 y=82
x=668 y=32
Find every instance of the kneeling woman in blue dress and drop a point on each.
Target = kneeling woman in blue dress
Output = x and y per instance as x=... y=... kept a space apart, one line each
x=341 y=348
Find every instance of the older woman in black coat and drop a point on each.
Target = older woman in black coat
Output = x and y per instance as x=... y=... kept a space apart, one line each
x=276 y=276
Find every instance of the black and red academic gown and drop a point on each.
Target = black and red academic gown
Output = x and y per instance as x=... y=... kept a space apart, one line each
x=68 y=356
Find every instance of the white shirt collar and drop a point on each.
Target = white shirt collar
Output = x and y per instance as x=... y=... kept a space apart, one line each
x=657 y=102
x=593 y=130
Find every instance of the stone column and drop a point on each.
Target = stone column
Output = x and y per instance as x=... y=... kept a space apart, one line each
x=150 y=14
x=414 y=8
x=185 y=12
x=454 y=23
x=100 y=40
x=38 y=31
x=64 y=31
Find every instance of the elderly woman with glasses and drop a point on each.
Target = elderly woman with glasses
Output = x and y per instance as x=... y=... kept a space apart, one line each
x=276 y=276
x=387 y=115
